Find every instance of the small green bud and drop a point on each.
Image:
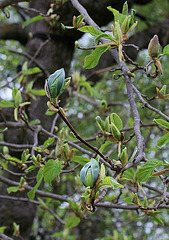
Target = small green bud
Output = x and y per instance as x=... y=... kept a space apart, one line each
x=90 y=173
x=103 y=104
x=100 y=123
x=124 y=157
x=153 y=47
x=115 y=132
x=54 y=85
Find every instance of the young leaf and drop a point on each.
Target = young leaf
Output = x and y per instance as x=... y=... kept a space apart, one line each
x=51 y=170
x=31 y=71
x=12 y=189
x=118 y=32
x=125 y=8
x=166 y=50
x=100 y=123
x=129 y=174
x=92 y=59
x=90 y=29
x=31 y=193
x=114 y=118
x=110 y=182
x=2 y=229
x=6 y=104
x=107 y=143
x=163 y=140
x=162 y=123
x=48 y=142
x=72 y=222
x=18 y=99
x=147 y=170
x=80 y=159
x=40 y=92
x=34 y=19
x=115 y=131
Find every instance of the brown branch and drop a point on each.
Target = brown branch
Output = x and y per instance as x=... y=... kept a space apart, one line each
x=107 y=161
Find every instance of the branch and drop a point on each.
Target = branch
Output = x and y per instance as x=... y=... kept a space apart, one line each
x=106 y=160
x=38 y=192
x=126 y=207
x=4 y=237
x=147 y=105
x=6 y=3
x=125 y=70
x=13 y=31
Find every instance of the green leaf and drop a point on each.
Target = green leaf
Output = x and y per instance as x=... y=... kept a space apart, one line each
x=158 y=220
x=80 y=159
x=51 y=170
x=35 y=122
x=92 y=59
x=117 y=121
x=2 y=229
x=114 y=11
x=18 y=99
x=31 y=71
x=129 y=174
x=100 y=123
x=12 y=189
x=66 y=27
x=31 y=168
x=34 y=19
x=162 y=123
x=6 y=104
x=87 y=86
x=163 y=140
x=14 y=159
x=90 y=29
x=125 y=8
x=57 y=234
x=79 y=20
x=31 y=193
x=14 y=92
x=108 y=36
x=118 y=32
x=115 y=131
x=40 y=92
x=147 y=170
x=72 y=222
x=110 y=182
x=107 y=143
x=48 y=142
x=166 y=50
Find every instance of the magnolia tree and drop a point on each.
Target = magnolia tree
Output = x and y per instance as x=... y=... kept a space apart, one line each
x=91 y=148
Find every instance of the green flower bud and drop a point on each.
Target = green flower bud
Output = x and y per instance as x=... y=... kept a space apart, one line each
x=55 y=84
x=90 y=173
x=153 y=47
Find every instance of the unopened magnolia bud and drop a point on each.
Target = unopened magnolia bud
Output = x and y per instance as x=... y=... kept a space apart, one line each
x=153 y=47
x=55 y=85
x=90 y=173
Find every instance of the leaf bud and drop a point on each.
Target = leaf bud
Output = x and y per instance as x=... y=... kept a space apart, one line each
x=55 y=84
x=153 y=47
x=90 y=173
